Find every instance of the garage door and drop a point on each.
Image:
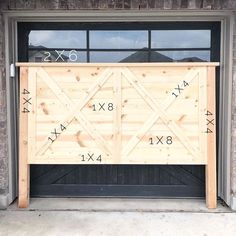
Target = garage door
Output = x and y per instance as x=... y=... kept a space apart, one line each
x=106 y=42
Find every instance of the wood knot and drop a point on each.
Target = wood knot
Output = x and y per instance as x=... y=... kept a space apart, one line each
x=79 y=139
x=43 y=106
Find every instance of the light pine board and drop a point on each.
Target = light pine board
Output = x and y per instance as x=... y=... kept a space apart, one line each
x=23 y=196
x=119 y=114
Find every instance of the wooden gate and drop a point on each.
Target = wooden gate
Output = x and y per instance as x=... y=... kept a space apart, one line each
x=136 y=113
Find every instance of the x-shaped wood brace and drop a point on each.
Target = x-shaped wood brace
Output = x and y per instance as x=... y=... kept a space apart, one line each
x=75 y=109
x=159 y=112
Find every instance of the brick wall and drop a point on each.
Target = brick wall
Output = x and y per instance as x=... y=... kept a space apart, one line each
x=118 y=4
x=3 y=115
x=103 y=5
x=233 y=149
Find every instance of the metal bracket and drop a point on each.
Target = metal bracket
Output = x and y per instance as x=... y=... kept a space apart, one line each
x=12 y=70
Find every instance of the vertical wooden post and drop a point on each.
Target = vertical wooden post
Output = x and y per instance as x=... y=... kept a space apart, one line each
x=23 y=198
x=32 y=114
x=117 y=116
x=211 y=189
x=202 y=104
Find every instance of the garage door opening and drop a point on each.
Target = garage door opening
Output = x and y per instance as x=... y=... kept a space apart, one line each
x=119 y=42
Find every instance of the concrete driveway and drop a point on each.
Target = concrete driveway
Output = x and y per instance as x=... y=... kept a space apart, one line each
x=117 y=217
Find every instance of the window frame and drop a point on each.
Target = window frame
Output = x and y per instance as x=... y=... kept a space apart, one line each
x=214 y=27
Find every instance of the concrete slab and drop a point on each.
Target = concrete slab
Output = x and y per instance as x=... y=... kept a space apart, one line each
x=121 y=205
x=34 y=223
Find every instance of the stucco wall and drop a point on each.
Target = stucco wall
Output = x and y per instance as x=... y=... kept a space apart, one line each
x=102 y=5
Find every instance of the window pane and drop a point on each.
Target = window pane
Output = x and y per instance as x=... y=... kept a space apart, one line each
x=122 y=39
x=180 y=38
x=57 y=56
x=58 y=38
x=181 y=56
x=140 y=56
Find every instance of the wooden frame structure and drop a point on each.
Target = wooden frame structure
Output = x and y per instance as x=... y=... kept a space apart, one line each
x=117 y=113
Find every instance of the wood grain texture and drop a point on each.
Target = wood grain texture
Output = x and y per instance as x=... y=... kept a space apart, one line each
x=117 y=136
x=211 y=182
x=119 y=114
x=32 y=88
x=23 y=198
x=148 y=64
x=156 y=114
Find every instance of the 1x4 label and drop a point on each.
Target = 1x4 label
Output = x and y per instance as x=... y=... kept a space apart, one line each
x=56 y=133
x=91 y=157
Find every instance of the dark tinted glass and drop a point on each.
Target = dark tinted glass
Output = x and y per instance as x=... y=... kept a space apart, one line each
x=58 y=38
x=74 y=46
x=118 y=56
x=56 y=56
x=181 y=38
x=120 y=39
x=180 y=56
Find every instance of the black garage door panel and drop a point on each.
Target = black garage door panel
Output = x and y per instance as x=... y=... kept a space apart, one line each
x=110 y=180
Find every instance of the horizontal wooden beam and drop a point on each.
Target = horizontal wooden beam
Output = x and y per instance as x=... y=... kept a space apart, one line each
x=164 y=64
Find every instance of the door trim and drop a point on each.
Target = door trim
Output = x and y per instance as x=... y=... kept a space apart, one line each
x=225 y=17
